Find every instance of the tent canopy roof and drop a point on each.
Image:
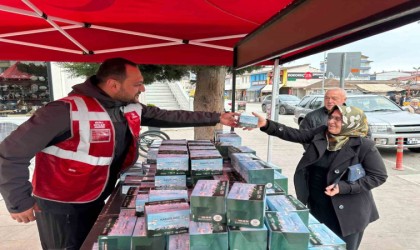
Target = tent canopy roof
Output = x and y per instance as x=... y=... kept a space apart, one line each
x=190 y=32
x=193 y=32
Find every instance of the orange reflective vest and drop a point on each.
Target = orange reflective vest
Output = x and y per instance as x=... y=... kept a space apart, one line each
x=76 y=170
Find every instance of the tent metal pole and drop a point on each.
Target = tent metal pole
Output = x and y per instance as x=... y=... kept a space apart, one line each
x=219 y=38
x=233 y=94
x=210 y=46
x=58 y=28
x=136 y=47
x=134 y=33
x=38 y=31
x=274 y=95
x=36 y=45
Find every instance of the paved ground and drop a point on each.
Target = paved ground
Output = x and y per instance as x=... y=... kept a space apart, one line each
x=398 y=200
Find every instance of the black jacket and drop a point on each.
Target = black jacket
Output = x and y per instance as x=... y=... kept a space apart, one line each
x=354 y=205
x=51 y=124
x=314 y=119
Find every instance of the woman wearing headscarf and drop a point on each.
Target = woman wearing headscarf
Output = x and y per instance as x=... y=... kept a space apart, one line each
x=321 y=176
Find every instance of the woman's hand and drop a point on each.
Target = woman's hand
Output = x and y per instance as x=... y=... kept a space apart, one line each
x=332 y=190
x=261 y=121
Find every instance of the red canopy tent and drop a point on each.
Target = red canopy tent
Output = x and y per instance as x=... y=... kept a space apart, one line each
x=194 y=32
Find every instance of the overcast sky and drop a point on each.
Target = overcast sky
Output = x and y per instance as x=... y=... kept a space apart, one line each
x=398 y=49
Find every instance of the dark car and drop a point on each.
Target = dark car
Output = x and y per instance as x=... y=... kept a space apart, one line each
x=387 y=121
x=286 y=103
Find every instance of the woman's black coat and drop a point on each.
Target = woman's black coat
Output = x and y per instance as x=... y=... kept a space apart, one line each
x=354 y=205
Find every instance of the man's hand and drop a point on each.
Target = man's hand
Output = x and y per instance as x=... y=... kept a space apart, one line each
x=261 y=121
x=229 y=119
x=26 y=216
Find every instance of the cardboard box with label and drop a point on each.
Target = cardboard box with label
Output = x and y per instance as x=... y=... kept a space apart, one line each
x=243 y=238
x=208 y=201
x=245 y=205
x=321 y=236
x=206 y=162
x=208 y=236
x=288 y=203
x=140 y=240
x=167 y=217
x=286 y=231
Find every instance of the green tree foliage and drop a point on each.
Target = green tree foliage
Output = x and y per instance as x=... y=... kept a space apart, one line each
x=80 y=69
x=32 y=69
x=150 y=73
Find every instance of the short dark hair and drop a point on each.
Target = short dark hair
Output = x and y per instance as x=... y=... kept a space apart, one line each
x=113 y=68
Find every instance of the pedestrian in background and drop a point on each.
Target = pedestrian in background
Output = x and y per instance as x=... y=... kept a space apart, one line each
x=414 y=106
x=321 y=177
x=318 y=117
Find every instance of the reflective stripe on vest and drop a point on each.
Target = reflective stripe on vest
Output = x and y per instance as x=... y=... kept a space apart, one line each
x=83 y=116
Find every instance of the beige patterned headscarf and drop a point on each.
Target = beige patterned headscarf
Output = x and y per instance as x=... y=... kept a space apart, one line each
x=354 y=125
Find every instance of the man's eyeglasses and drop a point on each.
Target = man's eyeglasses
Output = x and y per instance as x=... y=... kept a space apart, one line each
x=335 y=118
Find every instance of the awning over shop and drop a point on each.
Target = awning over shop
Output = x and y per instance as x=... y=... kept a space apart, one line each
x=377 y=88
x=267 y=88
x=256 y=88
x=13 y=73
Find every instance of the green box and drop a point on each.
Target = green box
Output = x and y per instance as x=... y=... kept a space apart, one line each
x=208 y=201
x=178 y=242
x=275 y=190
x=232 y=138
x=206 y=162
x=288 y=203
x=208 y=236
x=321 y=236
x=199 y=143
x=201 y=147
x=281 y=180
x=248 y=121
x=240 y=149
x=140 y=240
x=312 y=220
x=236 y=158
x=286 y=231
x=167 y=217
x=242 y=238
x=117 y=233
x=223 y=148
x=257 y=172
x=245 y=205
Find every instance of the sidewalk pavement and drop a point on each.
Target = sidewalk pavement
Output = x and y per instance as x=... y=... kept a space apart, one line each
x=398 y=201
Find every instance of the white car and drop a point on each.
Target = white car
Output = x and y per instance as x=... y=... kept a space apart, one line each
x=387 y=121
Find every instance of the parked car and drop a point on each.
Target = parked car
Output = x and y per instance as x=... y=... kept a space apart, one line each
x=240 y=106
x=286 y=103
x=387 y=121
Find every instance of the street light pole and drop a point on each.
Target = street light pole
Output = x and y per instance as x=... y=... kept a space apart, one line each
x=417 y=72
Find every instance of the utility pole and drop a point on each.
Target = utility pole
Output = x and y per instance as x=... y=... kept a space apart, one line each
x=417 y=72
x=342 y=75
x=325 y=70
